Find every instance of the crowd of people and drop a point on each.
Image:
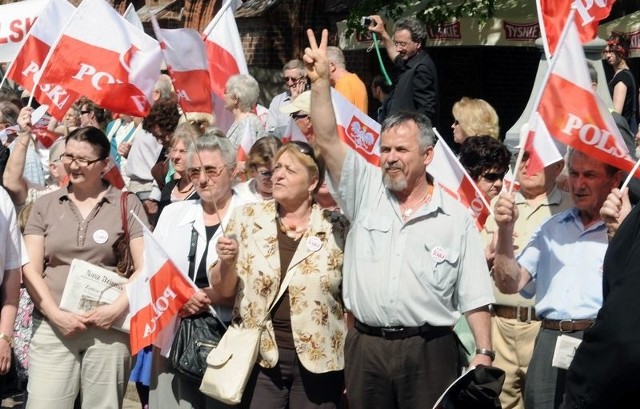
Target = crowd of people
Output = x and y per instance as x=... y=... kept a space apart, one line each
x=389 y=290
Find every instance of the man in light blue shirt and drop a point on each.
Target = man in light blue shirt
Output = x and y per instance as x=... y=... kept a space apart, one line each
x=562 y=266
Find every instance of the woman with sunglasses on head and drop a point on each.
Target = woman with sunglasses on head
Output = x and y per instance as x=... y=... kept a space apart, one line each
x=301 y=358
x=193 y=228
x=260 y=167
x=78 y=356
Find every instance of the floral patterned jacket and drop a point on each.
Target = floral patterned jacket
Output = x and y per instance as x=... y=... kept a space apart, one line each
x=315 y=289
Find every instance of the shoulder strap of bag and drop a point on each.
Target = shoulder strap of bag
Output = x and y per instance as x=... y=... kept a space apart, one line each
x=123 y=214
x=192 y=254
x=192 y=269
x=283 y=287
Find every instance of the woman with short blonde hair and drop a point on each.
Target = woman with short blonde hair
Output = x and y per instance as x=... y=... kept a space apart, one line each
x=474 y=117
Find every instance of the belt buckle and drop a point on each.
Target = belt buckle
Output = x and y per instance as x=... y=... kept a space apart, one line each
x=518 y=310
x=388 y=331
x=565 y=321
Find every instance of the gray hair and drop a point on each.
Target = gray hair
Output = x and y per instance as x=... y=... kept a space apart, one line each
x=415 y=27
x=426 y=136
x=336 y=56
x=164 y=86
x=213 y=143
x=246 y=89
x=295 y=64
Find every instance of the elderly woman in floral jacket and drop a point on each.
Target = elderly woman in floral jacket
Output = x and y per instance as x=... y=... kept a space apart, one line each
x=301 y=358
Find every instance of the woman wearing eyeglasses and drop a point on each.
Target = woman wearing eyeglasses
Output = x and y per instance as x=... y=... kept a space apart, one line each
x=78 y=355
x=301 y=358
x=260 y=167
x=191 y=229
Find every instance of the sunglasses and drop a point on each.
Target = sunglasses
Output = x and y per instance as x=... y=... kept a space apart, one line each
x=306 y=149
x=84 y=112
x=298 y=115
x=493 y=176
x=265 y=174
x=292 y=79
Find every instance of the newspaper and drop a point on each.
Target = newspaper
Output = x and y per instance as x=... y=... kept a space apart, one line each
x=89 y=286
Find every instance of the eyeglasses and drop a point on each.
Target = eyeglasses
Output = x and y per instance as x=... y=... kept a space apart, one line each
x=297 y=115
x=493 y=176
x=292 y=79
x=402 y=44
x=84 y=112
x=210 y=171
x=67 y=159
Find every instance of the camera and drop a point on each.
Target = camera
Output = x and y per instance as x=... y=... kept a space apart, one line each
x=367 y=21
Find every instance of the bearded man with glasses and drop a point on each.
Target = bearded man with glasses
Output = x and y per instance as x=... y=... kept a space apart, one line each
x=415 y=87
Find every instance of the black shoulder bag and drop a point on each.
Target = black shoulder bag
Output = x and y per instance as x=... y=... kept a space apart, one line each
x=196 y=336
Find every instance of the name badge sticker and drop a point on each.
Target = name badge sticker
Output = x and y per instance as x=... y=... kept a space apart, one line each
x=314 y=243
x=438 y=254
x=100 y=236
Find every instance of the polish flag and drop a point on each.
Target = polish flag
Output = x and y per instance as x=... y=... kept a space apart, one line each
x=132 y=17
x=453 y=179
x=509 y=180
x=225 y=56
x=113 y=175
x=357 y=129
x=539 y=144
x=16 y=19
x=553 y=16
x=263 y=113
x=293 y=133
x=573 y=113
x=102 y=56
x=25 y=68
x=156 y=296
x=186 y=60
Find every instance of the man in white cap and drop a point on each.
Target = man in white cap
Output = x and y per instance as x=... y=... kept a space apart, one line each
x=299 y=110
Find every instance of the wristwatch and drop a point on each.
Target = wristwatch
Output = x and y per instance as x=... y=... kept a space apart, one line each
x=7 y=338
x=483 y=351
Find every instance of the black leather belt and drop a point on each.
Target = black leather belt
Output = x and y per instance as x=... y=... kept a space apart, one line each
x=402 y=332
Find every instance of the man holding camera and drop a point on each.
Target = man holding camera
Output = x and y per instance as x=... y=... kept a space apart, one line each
x=416 y=85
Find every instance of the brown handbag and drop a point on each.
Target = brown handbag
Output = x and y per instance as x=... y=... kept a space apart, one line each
x=121 y=249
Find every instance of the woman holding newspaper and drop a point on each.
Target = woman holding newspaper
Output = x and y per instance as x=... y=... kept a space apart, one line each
x=290 y=242
x=78 y=355
x=192 y=228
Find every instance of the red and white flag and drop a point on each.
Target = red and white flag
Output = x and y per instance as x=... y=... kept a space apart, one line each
x=184 y=54
x=156 y=296
x=225 y=56
x=453 y=179
x=102 y=56
x=293 y=133
x=132 y=17
x=16 y=20
x=25 y=68
x=357 y=129
x=553 y=14
x=538 y=144
x=573 y=113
